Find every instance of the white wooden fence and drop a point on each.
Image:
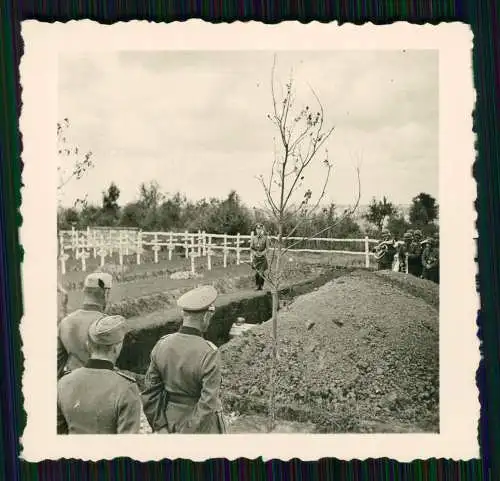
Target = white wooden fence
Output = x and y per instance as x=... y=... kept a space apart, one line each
x=102 y=244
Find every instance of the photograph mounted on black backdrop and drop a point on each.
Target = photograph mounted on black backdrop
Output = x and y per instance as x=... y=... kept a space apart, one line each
x=247 y=240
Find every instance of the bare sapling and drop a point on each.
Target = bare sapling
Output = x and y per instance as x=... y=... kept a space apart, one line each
x=300 y=143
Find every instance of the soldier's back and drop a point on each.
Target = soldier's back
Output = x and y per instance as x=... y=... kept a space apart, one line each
x=73 y=331
x=179 y=358
x=99 y=401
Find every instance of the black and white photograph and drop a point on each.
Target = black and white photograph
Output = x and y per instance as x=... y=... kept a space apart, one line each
x=247 y=241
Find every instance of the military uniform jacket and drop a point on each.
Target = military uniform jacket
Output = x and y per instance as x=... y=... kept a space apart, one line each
x=72 y=338
x=430 y=257
x=97 y=399
x=259 y=245
x=183 y=385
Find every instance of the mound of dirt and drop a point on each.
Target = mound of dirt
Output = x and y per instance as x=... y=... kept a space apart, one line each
x=428 y=291
x=357 y=355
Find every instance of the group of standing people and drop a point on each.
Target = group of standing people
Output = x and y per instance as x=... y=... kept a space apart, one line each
x=182 y=383
x=413 y=255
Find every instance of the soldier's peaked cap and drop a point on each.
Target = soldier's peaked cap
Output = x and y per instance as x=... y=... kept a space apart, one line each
x=108 y=330
x=99 y=279
x=198 y=299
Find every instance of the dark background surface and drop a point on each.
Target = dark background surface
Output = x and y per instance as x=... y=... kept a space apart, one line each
x=483 y=16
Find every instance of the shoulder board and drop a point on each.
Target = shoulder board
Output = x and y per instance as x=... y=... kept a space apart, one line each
x=128 y=377
x=211 y=344
x=162 y=338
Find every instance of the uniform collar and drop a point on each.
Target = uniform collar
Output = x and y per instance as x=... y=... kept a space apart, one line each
x=99 y=364
x=190 y=330
x=90 y=306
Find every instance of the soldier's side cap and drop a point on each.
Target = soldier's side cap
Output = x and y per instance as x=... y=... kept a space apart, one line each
x=108 y=330
x=99 y=279
x=198 y=299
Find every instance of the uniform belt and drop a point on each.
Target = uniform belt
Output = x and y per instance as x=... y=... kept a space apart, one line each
x=182 y=399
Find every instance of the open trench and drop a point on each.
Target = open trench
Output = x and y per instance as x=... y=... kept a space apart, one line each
x=254 y=307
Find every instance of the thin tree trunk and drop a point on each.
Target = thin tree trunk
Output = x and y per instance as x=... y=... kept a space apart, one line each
x=274 y=360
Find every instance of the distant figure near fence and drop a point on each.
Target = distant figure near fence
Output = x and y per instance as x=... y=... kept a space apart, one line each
x=385 y=251
x=259 y=247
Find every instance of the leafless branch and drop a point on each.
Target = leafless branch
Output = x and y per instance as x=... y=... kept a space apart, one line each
x=347 y=213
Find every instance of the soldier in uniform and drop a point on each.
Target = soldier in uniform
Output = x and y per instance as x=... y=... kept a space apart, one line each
x=97 y=398
x=385 y=251
x=430 y=260
x=72 y=330
x=403 y=250
x=415 y=254
x=259 y=247
x=183 y=381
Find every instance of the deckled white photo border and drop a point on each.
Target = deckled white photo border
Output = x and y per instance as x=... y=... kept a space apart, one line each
x=459 y=346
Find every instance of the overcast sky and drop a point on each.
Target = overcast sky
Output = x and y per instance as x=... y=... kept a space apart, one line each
x=196 y=122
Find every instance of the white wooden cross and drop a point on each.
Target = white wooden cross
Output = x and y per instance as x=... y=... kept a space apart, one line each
x=127 y=243
x=238 y=249
x=138 y=249
x=204 y=242
x=156 y=248
x=186 y=247
x=210 y=253
x=251 y=252
x=192 y=243
x=170 y=246
x=120 y=248
x=193 y=254
x=83 y=255
x=63 y=258
x=102 y=254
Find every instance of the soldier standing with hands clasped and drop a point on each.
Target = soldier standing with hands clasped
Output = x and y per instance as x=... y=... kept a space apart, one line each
x=183 y=380
x=97 y=398
x=259 y=247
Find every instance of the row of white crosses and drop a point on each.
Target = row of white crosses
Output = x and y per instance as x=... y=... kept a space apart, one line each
x=100 y=243
x=195 y=245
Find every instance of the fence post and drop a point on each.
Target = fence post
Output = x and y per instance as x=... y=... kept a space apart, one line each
x=94 y=243
x=225 y=251
x=138 y=251
x=238 y=249
x=186 y=246
x=251 y=241
x=192 y=243
x=200 y=240
x=367 y=253
x=209 y=259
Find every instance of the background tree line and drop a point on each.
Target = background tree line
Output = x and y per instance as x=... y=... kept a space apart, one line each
x=155 y=211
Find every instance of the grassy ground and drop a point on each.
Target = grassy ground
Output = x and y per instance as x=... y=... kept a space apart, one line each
x=134 y=281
